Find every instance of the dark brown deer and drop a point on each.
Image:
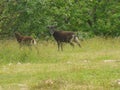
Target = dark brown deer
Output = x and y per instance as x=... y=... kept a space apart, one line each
x=63 y=36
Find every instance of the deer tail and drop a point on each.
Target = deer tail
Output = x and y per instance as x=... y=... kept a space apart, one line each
x=34 y=42
x=76 y=39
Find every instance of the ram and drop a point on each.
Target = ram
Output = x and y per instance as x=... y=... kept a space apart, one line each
x=63 y=36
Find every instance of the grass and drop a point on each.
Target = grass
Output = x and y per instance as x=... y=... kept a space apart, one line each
x=95 y=66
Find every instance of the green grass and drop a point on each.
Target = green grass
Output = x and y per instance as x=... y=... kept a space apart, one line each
x=75 y=68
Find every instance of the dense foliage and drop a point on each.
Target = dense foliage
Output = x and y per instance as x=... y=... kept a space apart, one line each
x=98 y=17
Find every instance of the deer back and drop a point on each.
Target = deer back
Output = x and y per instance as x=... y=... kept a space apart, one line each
x=63 y=36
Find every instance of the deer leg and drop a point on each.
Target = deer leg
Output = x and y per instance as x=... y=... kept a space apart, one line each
x=30 y=48
x=71 y=43
x=61 y=46
x=58 y=43
x=20 y=46
x=37 y=49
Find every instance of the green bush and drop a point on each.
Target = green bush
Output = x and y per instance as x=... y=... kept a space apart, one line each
x=99 y=17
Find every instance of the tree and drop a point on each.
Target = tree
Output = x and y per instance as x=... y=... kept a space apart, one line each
x=99 y=17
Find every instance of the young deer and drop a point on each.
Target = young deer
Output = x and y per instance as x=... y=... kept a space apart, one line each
x=25 y=40
x=63 y=36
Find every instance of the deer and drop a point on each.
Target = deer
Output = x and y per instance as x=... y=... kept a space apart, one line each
x=63 y=37
x=25 y=40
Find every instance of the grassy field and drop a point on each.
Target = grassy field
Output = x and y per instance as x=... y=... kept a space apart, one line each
x=95 y=66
